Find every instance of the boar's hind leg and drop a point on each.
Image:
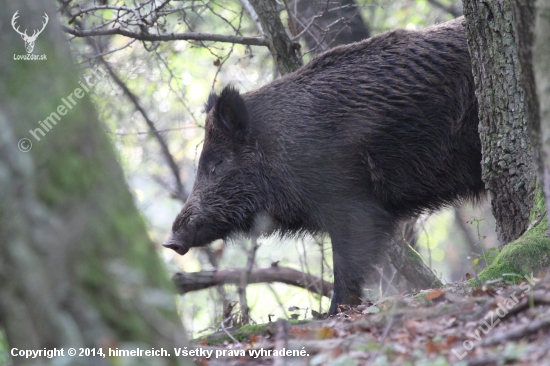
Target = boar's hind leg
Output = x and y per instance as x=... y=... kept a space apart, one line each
x=358 y=242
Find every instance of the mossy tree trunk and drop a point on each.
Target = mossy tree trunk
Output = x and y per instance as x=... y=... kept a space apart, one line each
x=499 y=37
x=77 y=268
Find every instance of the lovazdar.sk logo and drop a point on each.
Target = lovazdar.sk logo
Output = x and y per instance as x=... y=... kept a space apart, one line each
x=29 y=40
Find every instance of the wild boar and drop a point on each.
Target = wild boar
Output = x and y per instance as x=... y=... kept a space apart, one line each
x=361 y=138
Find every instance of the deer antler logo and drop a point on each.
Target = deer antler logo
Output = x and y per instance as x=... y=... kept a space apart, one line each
x=29 y=40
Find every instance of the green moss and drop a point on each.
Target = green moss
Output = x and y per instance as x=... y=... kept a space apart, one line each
x=4 y=349
x=117 y=232
x=138 y=271
x=526 y=255
x=247 y=330
x=421 y=296
x=252 y=328
x=244 y=332
x=298 y=321
x=539 y=207
x=66 y=177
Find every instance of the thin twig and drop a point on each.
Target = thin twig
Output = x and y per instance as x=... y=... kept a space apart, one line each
x=226 y=332
x=108 y=52
x=245 y=278
x=279 y=302
x=180 y=189
x=149 y=132
x=313 y=19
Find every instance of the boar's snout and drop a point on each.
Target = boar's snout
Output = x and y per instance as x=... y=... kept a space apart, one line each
x=181 y=239
x=195 y=233
x=177 y=247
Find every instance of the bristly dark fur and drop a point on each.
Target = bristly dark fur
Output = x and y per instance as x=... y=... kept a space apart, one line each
x=231 y=112
x=210 y=102
x=362 y=137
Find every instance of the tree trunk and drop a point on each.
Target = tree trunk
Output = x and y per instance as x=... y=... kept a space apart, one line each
x=499 y=38
x=77 y=268
x=284 y=51
x=541 y=65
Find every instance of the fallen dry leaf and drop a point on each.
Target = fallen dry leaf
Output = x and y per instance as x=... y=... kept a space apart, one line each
x=435 y=294
x=324 y=333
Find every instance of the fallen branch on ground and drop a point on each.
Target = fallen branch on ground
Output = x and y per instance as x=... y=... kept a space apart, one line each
x=186 y=282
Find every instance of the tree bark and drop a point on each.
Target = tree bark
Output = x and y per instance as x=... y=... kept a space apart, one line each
x=284 y=51
x=76 y=266
x=499 y=38
x=541 y=65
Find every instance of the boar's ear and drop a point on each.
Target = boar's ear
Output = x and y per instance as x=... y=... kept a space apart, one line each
x=210 y=102
x=231 y=113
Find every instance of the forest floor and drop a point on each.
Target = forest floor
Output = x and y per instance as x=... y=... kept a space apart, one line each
x=456 y=325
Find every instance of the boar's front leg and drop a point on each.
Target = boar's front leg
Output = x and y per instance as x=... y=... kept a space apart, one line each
x=359 y=238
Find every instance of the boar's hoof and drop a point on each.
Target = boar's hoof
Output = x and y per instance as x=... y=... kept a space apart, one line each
x=178 y=248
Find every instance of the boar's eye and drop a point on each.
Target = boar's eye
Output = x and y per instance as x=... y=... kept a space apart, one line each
x=213 y=167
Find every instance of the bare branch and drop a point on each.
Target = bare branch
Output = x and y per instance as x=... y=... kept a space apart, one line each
x=191 y=36
x=306 y=28
x=180 y=190
x=330 y=23
x=186 y=282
